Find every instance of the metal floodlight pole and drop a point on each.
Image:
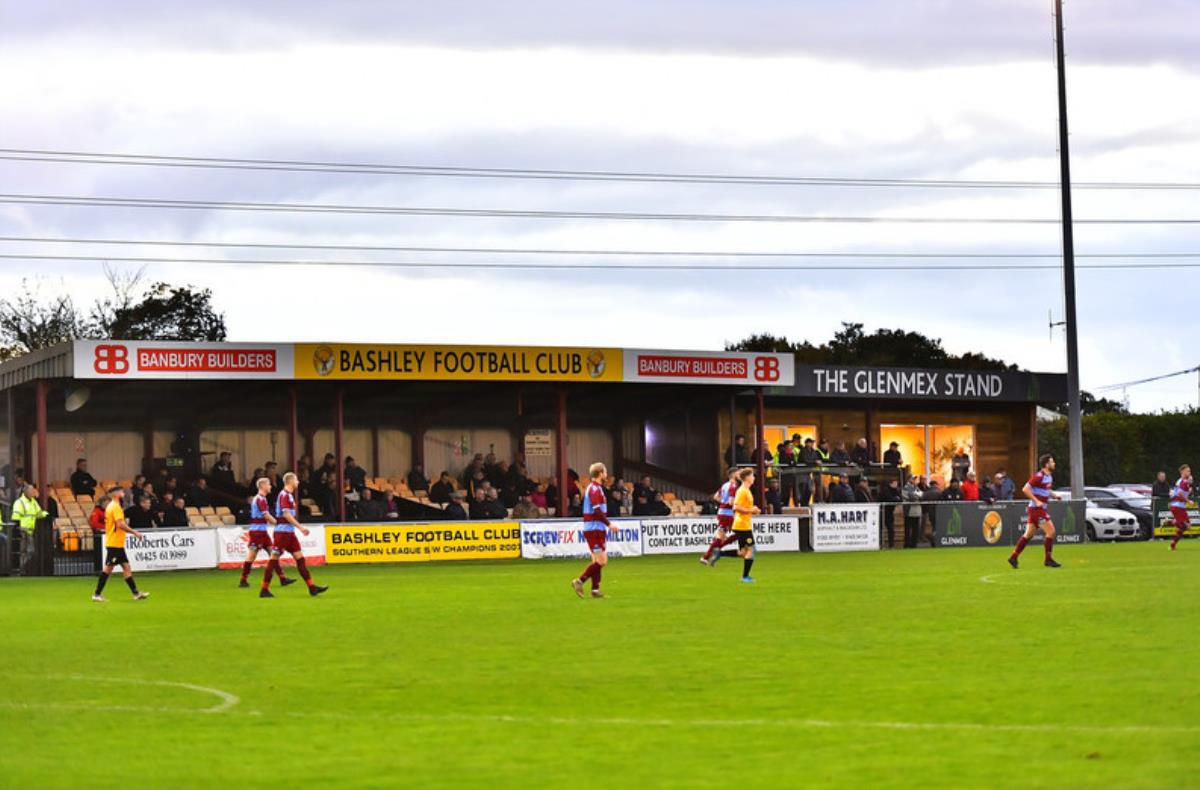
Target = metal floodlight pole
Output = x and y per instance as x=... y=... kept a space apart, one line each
x=1074 y=421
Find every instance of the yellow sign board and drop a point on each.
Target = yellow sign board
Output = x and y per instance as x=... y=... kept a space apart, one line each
x=443 y=540
x=456 y=363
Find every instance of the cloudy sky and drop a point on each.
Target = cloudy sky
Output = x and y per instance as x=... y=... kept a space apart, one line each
x=873 y=89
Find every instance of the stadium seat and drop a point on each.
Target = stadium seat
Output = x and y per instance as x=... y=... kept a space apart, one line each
x=197 y=521
x=208 y=511
x=228 y=519
x=192 y=511
x=221 y=510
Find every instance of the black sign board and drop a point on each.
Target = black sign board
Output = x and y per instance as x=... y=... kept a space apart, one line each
x=834 y=381
x=1002 y=523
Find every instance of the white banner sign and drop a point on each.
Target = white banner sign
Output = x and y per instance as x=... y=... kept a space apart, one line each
x=710 y=367
x=539 y=443
x=692 y=535
x=172 y=550
x=134 y=359
x=845 y=527
x=540 y=539
x=232 y=548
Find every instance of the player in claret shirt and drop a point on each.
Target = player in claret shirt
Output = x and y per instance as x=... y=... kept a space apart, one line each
x=596 y=527
x=258 y=538
x=1180 y=492
x=725 y=496
x=1040 y=490
x=286 y=540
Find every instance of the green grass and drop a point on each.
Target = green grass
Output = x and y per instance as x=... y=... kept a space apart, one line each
x=462 y=674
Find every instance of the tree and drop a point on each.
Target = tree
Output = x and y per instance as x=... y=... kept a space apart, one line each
x=165 y=312
x=30 y=320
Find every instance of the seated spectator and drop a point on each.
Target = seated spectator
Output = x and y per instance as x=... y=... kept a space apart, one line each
x=369 y=508
x=271 y=472
x=96 y=517
x=491 y=469
x=840 y=457
x=575 y=507
x=618 y=499
x=454 y=510
x=304 y=464
x=417 y=480
x=304 y=483
x=774 y=497
x=200 y=496
x=221 y=476
x=495 y=507
x=356 y=476
x=160 y=481
x=174 y=513
x=525 y=509
x=970 y=488
x=440 y=491
x=892 y=456
x=659 y=506
x=551 y=493
x=862 y=492
x=82 y=483
x=391 y=508
x=143 y=516
x=479 y=503
x=643 y=497
x=148 y=493
x=538 y=497
x=469 y=471
x=839 y=491
x=861 y=454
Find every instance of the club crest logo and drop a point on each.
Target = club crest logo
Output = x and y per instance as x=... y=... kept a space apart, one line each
x=323 y=360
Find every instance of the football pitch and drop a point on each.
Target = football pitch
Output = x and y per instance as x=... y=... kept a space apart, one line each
x=903 y=668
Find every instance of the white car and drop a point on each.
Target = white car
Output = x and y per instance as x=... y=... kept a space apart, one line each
x=1105 y=523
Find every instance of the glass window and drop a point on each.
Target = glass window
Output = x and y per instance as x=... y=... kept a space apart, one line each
x=930 y=449
x=911 y=439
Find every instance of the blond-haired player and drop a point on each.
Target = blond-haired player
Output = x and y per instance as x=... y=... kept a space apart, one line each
x=743 y=529
x=596 y=527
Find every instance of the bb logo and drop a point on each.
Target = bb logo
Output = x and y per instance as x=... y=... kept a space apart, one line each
x=766 y=369
x=111 y=360
x=323 y=359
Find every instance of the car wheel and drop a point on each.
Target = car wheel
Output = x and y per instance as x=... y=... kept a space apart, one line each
x=1091 y=533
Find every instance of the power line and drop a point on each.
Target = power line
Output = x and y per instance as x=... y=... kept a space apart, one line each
x=1148 y=380
x=594 y=252
x=424 y=211
x=588 y=266
x=303 y=166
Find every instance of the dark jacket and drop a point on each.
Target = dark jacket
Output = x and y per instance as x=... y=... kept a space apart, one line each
x=495 y=509
x=889 y=494
x=809 y=456
x=140 y=518
x=417 y=482
x=860 y=455
x=892 y=458
x=455 y=512
x=199 y=497
x=862 y=495
x=839 y=457
x=1161 y=488
x=174 y=517
x=737 y=455
x=82 y=483
x=952 y=494
x=221 y=477
x=440 y=492
x=479 y=510
x=840 y=493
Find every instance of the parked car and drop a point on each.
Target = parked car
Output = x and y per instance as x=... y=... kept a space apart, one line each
x=1141 y=489
x=1106 y=523
x=1128 y=501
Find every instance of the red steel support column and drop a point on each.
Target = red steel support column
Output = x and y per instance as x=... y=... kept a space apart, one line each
x=418 y=449
x=43 y=481
x=293 y=428
x=762 y=455
x=560 y=454
x=338 y=418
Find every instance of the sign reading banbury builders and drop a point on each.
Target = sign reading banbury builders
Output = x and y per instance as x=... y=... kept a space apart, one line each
x=833 y=381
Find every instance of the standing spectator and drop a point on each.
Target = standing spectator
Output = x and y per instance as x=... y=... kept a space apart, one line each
x=954 y=492
x=469 y=471
x=144 y=516
x=479 y=502
x=221 y=476
x=889 y=495
x=82 y=483
x=618 y=503
x=986 y=492
x=762 y=453
x=551 y=494
x=789 y=455
x=912 y=495
x=491 y=469
x=440 y=491
x=454 y=510
x=774 y=497
x=970 y=488
x=148 y=494
x=892 y=456
x=808 y=457
x=737 y=454
x=861 y=454
x=1005 y=487
x=417 y=480
x=823 y=454
x=1160 y=490
x=26 y=512
x=175 y=512
x=200 y=496
x=960 y=464
x=862 y=492
x=840 y=457
x=933 y=493
x=476 y=483
x=356 y=476
x=643 y=497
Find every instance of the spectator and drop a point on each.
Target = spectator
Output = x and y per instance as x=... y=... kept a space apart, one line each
x=986 y=492
x=840 y=457
x=200 y=496
x=970 y=488
x=525 y=509
x=417 y=480
x=370 y=508
x=491 y=469
x=839 y=490
x=861 y=454
x=912 y=494
x=356 y=476
x=960 y=464
x=96 y=517
x=575 y=508
x=659 y=506
x=538 y=497
x=788 y=454
x=391 y=508
x=933 y=493
x=495 y=507
x=479 y=502
x=892 y=456
x=82 y=483
x=148 y=493
x=26 y=512
x=1160 y=490
x=305 y=463
x=440 y=491
x=738 y=454
x=221 y=476
x=552 y=493
x=469 y=472
x=271 y=472
x=477 y=483
x=643 y=497
x=160 y=481
x=143 y=515
x=808 y=457
x=862 y=492
x=953 y=492
x=774 y=497
x=135 y=490
x=618 y=503
x=890 y=496
x=823 y=455
x=174 y=513
x=1005 y=487
x=454 y=510
x=762 y=452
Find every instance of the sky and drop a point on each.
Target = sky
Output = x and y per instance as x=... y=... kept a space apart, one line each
x=852 y=89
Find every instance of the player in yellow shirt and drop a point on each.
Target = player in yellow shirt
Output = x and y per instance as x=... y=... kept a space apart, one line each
x=743 y=530
x=115 y=527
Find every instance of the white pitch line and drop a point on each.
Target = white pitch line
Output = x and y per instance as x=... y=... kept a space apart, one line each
x=226 y=699
x=1013 y=573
